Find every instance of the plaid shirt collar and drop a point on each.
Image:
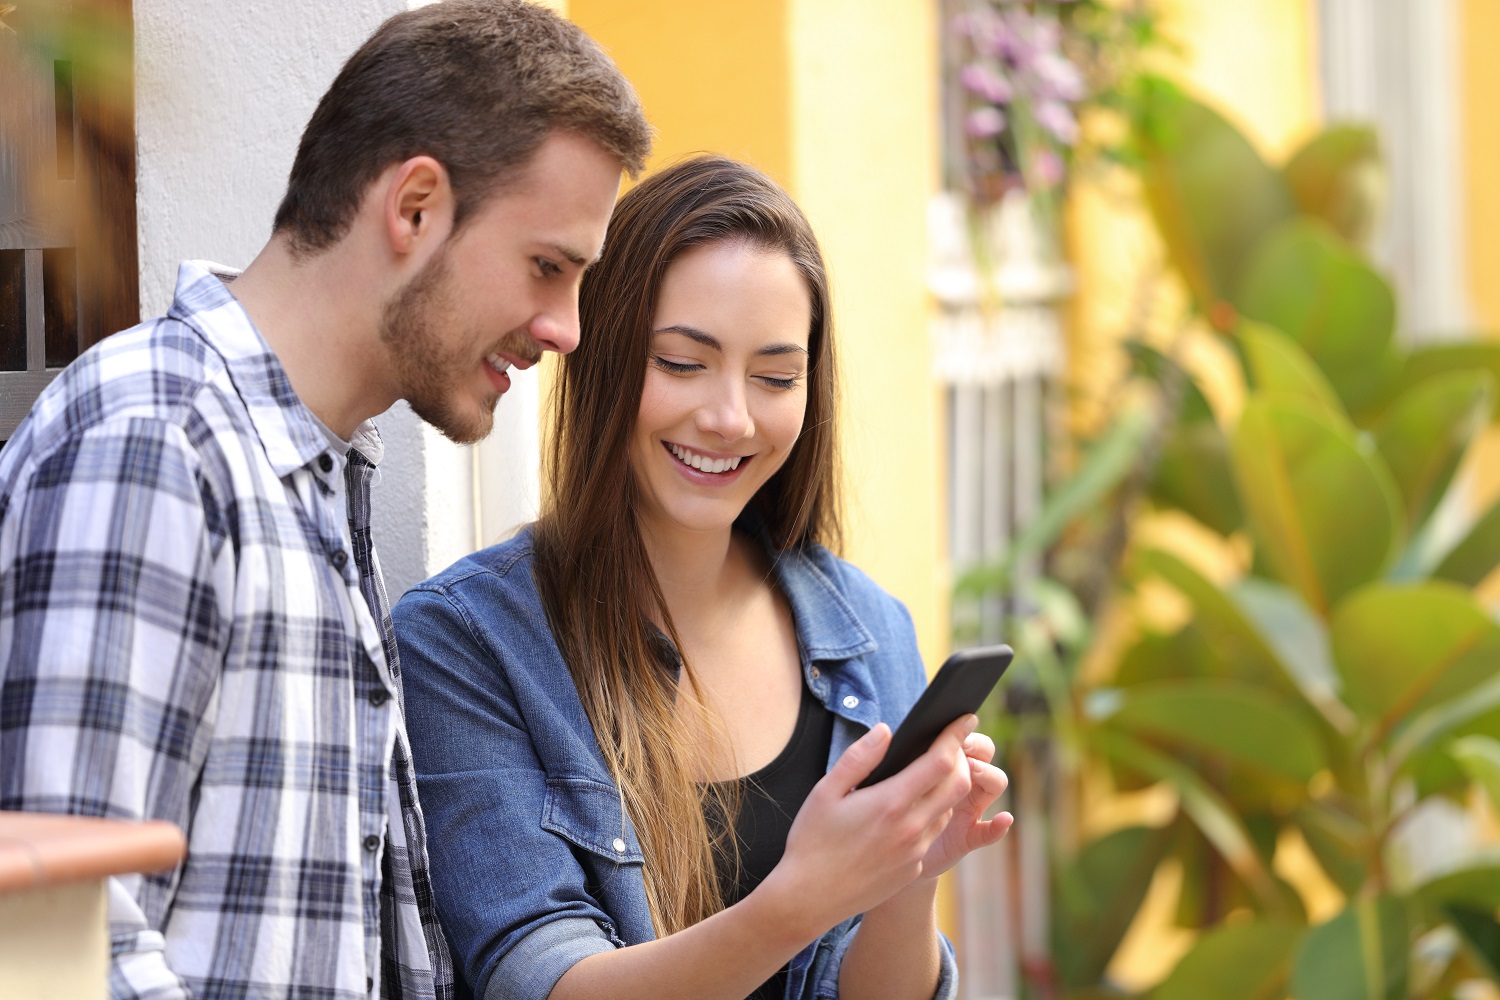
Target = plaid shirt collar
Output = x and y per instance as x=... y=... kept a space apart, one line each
x=287 y=430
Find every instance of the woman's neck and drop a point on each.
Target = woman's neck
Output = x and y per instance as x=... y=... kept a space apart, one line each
x=703 y=577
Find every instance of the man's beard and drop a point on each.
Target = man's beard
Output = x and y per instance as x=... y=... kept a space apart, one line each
x=434 y=380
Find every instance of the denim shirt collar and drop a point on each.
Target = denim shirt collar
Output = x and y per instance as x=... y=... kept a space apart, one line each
x=827 y=627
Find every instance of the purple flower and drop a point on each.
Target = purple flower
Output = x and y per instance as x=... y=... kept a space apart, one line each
x=985 y=123
x=983 y=80
x=1047 y=167
x=1057 y=78
x=991 y=35
x=1057 y=119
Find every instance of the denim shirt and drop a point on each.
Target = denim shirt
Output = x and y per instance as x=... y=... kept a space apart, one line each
x=535 y=866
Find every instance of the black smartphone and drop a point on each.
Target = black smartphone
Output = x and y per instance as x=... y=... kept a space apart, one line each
x=960 y=687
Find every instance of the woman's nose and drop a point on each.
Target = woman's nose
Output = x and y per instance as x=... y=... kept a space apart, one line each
x=727 y=415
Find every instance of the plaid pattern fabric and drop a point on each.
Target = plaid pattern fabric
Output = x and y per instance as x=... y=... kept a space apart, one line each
x=183 y=636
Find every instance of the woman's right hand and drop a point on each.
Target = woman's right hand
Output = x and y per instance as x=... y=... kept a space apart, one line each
x=851 y=848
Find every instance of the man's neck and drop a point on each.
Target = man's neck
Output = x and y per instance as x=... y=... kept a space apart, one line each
x=321 y=317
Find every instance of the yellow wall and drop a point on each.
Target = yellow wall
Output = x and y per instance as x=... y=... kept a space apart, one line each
x=713 y=76
x=1478 y=34
x=865 y=165
x=837 y=100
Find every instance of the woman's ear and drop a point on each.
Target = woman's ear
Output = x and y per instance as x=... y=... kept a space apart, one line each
x=418 y=205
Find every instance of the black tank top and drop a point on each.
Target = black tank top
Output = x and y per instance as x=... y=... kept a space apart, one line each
x=769 y=801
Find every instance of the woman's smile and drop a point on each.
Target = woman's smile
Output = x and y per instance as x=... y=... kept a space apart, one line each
x=704 y=467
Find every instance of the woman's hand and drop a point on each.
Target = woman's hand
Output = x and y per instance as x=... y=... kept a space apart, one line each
x=968 y=830
x=851 y=848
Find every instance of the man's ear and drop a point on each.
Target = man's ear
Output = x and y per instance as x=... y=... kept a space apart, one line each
x=418 y=206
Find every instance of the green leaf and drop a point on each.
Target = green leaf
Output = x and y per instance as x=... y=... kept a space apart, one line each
x=1336 y=840
x=1479 y=756
x=1337 y=176
x=1361 y=954
x=1442 y=359
x=1232 y=636
x=1211 y=194
x=1477 y=712
x=1324 y=512
x=1151 y=363
x=1207 y=809
x=1297 y=636
x=1235 y=722
x=1475 y=885
x=1476 y=555
x=1098 y=895
x=1193 y=475
x=1278 y=367
x=1305 y=282
x=1238 y=962
x=1184 y=654
x=1427 y=432
x=1402 y=650
x=1480 y=935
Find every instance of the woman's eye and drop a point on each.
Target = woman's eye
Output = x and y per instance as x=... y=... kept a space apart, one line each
x=674 y=367
x=776 y=382
x=547 y=268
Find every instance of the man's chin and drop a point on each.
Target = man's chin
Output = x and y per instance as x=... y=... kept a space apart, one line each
x=458 y=428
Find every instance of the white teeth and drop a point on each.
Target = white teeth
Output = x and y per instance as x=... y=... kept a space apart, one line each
x=498 y=363
x=702 y=464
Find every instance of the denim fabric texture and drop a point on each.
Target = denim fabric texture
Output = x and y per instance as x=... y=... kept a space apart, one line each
x=535 y=867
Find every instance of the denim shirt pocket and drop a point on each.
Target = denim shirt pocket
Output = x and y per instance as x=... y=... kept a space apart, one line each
x=588 y=814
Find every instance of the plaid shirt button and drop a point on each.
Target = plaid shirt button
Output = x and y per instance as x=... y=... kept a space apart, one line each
x=372 y=843
x=340 y=559
x=325 y=462
x=379 y=697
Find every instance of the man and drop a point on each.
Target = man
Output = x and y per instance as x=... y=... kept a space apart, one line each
x=192 y=624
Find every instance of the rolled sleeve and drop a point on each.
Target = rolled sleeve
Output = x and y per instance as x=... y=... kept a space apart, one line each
x=828 y=962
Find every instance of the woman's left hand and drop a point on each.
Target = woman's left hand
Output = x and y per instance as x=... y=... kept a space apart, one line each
x=967 y=830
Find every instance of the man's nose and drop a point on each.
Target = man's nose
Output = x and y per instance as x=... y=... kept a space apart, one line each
x=556 y=329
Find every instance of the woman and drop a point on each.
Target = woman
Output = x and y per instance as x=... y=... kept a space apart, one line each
x=616 y=714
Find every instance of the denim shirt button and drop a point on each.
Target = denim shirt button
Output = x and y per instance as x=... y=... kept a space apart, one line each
x=816 y=673
x=850 y=701
x=619 y=846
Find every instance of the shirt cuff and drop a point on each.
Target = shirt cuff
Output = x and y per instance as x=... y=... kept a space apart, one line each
x=532 y=968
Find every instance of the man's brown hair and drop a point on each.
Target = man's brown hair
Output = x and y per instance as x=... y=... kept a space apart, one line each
x=475 y=84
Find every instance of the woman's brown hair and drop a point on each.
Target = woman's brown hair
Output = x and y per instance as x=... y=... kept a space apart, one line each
x=596 y=581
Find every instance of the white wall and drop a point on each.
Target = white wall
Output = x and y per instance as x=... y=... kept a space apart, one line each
x=222 y=94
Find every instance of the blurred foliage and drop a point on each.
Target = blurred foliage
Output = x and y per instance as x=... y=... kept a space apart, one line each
x=1346 y=676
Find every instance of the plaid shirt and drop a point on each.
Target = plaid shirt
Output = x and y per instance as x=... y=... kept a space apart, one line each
x=183 y=636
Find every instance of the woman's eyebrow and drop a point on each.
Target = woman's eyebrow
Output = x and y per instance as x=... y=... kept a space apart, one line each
x=710 y=341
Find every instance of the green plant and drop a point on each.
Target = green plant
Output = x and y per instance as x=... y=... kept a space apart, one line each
x=1347 y=676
